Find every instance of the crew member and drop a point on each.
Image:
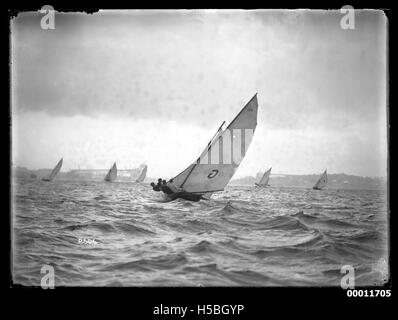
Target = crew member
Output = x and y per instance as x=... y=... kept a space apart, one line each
x=165 y=188
x=155 y=187
x=173 y=187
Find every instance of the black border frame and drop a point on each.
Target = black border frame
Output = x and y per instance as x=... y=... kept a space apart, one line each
x=142 y=300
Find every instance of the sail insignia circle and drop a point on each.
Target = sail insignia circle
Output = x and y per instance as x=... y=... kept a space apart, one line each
x=212 y=174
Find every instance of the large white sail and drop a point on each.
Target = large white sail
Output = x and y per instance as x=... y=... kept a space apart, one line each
x=112 y=174
x=55 y=171
x=142 y=175
x=265 y=179
x=322 y=181
x=216 y=165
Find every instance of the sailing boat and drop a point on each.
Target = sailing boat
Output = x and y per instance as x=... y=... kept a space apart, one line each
x=142 y=175
x=55 y=171
x=112 y=174
x=264 y=180
x=322 y=181
x=216 y=165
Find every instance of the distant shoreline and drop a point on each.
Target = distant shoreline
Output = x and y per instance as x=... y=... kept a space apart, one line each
x=335 y=181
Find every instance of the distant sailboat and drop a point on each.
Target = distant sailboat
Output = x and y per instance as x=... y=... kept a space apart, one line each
x=112 y=174
x=142 y=175
x=54 y=172
x=322 y=181
x=265 y=179
x=215 y=167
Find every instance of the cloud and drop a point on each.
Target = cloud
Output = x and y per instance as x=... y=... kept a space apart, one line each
x=198 y=68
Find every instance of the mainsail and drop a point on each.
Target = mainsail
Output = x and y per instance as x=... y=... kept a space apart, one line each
x=55 y=171
x=216 y=165
x=112 y=173
x=265 y=179
x=322 y=181
x=142 y=175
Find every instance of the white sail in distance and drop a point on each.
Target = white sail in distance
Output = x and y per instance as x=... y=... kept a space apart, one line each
x=322 y=181
x=112 y=174
x=216 y=165
x=142 y=175
x=55 y=171
x=265 y=178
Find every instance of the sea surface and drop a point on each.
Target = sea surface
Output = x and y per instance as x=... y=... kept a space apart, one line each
x=244 y=236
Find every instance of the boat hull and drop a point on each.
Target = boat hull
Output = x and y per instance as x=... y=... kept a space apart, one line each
x=184 y=195
x=262 y=185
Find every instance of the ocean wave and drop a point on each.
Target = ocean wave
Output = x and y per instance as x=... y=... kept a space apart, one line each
x=100 y=197
x=132 y=229
x=163 y=262
x=202 y=247
x=241 y=237
x=74 y=227
x=364 y=235
x=323 y=221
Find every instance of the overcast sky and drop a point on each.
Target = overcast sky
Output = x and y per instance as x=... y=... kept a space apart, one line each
x=152 y=87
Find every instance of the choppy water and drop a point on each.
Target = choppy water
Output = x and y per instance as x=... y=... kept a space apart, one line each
x=242 y=237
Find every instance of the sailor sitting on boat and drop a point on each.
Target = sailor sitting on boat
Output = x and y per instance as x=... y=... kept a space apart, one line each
x=167 y=188
x=174 y=192
x=173 y=187
x=157 y=186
